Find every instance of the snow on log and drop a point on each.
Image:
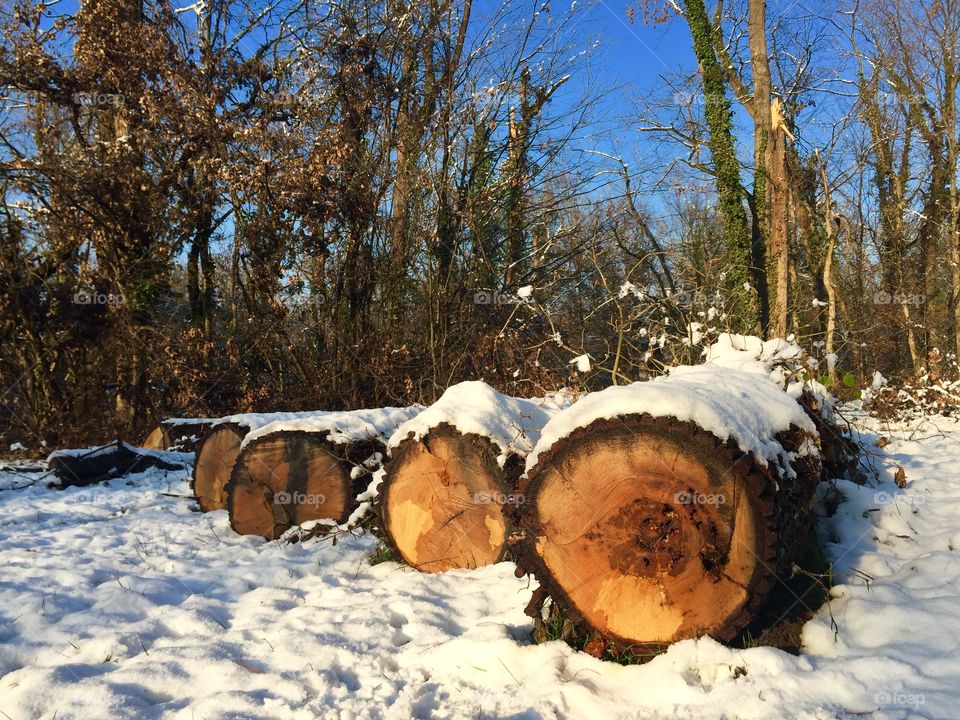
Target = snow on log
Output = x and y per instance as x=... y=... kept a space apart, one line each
x=663 y=510
x=450 y=484
x=787 y=363
x=301 y=470
x=89 y=466
x=180 y=434
x=219 y=448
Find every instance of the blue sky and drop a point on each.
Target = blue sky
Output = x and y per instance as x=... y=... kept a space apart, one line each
x=637 y=52
x=636 y=57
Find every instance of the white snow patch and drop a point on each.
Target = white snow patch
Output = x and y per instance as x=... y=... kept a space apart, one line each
x=343 y=426
x=746 y=407
x=582 y=362
x=512 y=424
x=694 y=334
x=750 y=353
x=252 y=421
x=185 y=421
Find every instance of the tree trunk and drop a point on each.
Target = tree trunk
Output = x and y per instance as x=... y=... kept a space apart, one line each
x=779 y=191
x=647 y=531
x=828 y=274
x=954 y=239
x=953 y=228
x=443 y=501
x=718 y=114
x=771 y=188
x=760 y=109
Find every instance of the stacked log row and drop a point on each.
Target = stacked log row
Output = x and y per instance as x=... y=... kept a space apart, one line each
x=449 y=488
x=289 y=473
x=218 y=450
x=181 y=434
x=666 y=510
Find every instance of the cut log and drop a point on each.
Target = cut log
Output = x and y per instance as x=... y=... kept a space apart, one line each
x=290 y=477
x=643 y=529
x=215 y=458
x=443 y=498
x=93 y=465
x=220 y=447
x=181 y=434
x=449 y=489
x=155 y=440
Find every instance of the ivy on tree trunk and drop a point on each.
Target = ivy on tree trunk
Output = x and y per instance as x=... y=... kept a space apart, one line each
x=718 y=114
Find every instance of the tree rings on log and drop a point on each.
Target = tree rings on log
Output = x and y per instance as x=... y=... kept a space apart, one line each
x=445 y=502
x=648 y=531
x=155 y=440
x=183 y=435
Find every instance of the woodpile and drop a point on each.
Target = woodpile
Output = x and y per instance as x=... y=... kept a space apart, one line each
x=647 y=513
x=275 y=471
x=449 y=489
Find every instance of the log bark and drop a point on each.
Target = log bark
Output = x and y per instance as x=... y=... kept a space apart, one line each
x=290 y=477
x=215 y=458
x=445 y=502
x=647 y=531
x=839 y=455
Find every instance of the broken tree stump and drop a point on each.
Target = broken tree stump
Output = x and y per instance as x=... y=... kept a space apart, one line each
x=89 y=466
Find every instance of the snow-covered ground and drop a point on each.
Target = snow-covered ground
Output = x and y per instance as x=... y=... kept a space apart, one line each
x=122 y=602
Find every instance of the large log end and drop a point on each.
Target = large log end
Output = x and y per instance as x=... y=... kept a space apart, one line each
x=442 y=501
x=648 y=531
